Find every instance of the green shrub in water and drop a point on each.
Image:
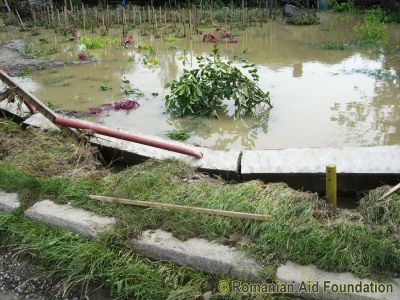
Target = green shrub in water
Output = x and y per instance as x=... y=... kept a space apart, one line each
x=346 y=6
x=203 y=90
x=178 y=135
x=303 y=17
x=97 y=42
x=373 y=29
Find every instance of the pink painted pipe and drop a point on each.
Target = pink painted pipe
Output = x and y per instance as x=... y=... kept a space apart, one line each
x=126 y=136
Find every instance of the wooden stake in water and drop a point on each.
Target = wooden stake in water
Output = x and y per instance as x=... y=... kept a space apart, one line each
x=84 y=17
x=65 y=14
x=331 y=189
x=20 y=20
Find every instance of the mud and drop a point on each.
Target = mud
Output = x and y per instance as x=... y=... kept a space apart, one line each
x=13 y=59
x=23 y=279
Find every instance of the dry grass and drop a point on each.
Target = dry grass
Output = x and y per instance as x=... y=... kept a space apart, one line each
x=44 y=154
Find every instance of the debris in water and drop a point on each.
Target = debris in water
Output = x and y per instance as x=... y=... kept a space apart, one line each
x=209 y=38
x=83 y=56
x=218 y=34
x=127 y=39
x=119 y=105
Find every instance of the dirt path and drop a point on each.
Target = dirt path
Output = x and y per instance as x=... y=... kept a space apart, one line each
x=21 y=279
x=13 y=59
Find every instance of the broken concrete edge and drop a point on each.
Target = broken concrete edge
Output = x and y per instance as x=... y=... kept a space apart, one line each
x=206 y=256
x=219 y=162
x=328 y=285
x=68 y=217
x=8 y=201
x=215 y=258
x=301 y=168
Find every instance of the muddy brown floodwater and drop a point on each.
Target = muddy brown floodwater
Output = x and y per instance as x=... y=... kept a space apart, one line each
x=321 y=97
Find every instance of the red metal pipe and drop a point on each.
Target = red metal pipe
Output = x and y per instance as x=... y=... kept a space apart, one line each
x=32 y=110
x=126 y=136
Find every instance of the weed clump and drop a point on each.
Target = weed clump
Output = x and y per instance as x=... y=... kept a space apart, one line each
x=382 y=212
x=344 y=7
x=44 y=154
x=78 y=262
x=95 y=42
x=303 y=16
x=179 y=135
x=373 y=29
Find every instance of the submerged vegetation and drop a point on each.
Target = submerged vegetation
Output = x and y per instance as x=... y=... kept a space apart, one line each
x=373 y=29
x=95 y=42
x=203 y=90
x=178 y=135
x=345 y=6
x=302 y=16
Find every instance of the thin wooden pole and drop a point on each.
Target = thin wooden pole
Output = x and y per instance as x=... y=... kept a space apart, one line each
x=209 y=211
x=391 y=191
x=20 y=20
x=84 y=17
x=331 y=184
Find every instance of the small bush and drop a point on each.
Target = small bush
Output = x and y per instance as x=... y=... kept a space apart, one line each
x=202 y=91
x=178 y=135
x=373 y=29
x=97 y=42
x=344 y=7
x=303 y=17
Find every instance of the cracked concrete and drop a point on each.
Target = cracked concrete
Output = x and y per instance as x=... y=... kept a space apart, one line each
x=70 y=218
x=8 y=201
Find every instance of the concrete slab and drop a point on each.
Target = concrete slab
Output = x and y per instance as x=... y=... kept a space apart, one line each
x=70 y=218
x=213 y=161
x=197 y=253
x=8 y=201
x=358 y=168
x=370 y=160
x=325 y=283
x=39 y=121
x=13 y=108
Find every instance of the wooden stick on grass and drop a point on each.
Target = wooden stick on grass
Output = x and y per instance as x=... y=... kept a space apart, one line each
x=391 y=191
x=209 y=211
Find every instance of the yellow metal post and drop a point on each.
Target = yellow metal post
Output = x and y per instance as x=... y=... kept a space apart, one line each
x=331 y=183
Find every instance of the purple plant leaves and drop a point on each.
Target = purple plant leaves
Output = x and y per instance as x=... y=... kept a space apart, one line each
x=119 y=105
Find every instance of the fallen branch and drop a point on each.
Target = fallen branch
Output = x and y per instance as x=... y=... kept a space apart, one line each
x=209 y=211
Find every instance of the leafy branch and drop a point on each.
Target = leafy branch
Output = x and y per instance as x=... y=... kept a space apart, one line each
x=203 y=90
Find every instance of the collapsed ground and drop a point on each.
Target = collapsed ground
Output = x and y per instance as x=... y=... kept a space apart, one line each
x=303 y=228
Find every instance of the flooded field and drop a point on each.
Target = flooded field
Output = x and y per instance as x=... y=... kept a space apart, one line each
x=321 y=98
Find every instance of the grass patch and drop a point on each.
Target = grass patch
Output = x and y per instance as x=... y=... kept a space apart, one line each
x=44 y=154
x=303 y=17
x=178 y=135
x=302 y=227
x=25 y=72
x=336 y=45
x=385 y=211
x=94 y=42
x=373 y=29
x=143 y=47
x=344 y=7
x=80 y=262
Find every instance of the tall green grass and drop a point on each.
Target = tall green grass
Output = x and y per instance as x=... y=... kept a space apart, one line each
x=75 y=260
x=302 y=228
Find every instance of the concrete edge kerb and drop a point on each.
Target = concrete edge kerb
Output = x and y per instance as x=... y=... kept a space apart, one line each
x=257 y=164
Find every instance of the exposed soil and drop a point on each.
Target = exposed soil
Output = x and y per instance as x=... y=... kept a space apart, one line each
x=21 y=279
x=13 y=59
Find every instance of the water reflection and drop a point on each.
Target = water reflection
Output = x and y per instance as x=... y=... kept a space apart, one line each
x=321 y=97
